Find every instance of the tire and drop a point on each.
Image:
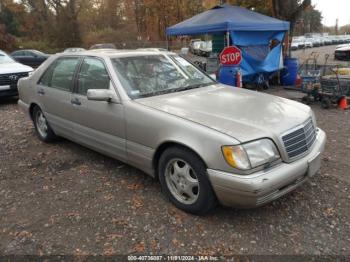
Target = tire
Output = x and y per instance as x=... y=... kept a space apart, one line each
x=42 y=127
x=326 y=103
x=201 y=199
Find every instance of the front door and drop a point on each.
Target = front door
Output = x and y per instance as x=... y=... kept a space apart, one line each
x=98 y=124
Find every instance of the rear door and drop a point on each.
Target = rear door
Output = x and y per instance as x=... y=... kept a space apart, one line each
x=98 y=124
x=18 y=56
x=29 y=58
x=55 y=92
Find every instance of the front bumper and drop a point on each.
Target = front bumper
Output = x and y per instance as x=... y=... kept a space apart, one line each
x=265 y=186
x=342 y=55
x=13 y=91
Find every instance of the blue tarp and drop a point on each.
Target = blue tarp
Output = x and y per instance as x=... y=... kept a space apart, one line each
x=260 y=59
x=227 y=18
x=252 y=32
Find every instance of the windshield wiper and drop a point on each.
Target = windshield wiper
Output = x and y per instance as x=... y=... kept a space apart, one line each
x=168 y=91
x=155 y=93
x=184 y=88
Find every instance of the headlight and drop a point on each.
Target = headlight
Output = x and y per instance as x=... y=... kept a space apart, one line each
x=251 y=155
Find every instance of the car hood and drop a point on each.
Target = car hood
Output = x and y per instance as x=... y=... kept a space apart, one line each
x=343 y=48
x=242 y=114
x=13 y=67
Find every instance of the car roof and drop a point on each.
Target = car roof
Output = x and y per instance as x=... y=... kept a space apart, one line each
x=116 y=52
x=20 y=50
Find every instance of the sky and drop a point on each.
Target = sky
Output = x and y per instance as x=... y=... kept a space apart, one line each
x=333 y=9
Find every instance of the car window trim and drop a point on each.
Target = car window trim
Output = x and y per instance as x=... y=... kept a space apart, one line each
x=76 y=85
x=171 y=56
x=55 y=63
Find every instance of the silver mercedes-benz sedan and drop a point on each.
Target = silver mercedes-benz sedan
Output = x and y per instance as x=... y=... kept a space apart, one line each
x=205 y=142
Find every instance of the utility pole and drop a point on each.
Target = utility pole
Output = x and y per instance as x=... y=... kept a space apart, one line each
x=336 y=26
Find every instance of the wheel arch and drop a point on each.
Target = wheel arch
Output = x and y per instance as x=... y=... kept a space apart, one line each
x=31 y=109
x=168 y=144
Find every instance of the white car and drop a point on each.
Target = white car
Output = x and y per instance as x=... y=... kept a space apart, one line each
x=342 y=45
x=196 y=47
x=308 y=44
x=295 y=45
x=206 y=48
x=10 y=72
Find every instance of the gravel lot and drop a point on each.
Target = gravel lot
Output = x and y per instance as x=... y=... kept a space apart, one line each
x=65 y=199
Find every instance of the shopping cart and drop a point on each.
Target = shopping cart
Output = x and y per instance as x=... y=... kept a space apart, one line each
x=332 y=89
x=310 y=75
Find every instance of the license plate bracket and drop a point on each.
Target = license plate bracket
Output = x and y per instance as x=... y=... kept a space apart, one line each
x=7 y=87
x=314 y=165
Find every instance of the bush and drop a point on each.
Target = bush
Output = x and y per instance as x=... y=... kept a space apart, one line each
x=43 y=46
x=7 y=41
x=109 y=35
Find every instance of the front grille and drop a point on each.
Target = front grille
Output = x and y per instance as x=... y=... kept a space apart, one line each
x=301 y=140
x=11 y=79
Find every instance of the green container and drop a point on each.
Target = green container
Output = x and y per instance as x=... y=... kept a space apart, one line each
x=218 y=43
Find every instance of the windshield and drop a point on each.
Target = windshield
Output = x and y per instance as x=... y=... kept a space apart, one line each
x=4 y=59
x=197 y=44
x=150 y=75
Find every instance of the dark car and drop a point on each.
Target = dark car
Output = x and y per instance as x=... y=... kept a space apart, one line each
x=342 y=53
x=103 y=46
x=33 y=58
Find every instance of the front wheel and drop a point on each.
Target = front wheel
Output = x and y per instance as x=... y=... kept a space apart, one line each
x=42 y=127
x=184 y=181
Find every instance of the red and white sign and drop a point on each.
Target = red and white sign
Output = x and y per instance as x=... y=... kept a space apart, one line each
x=231 y=55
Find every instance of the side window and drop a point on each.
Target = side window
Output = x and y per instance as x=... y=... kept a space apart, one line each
x=29 y=54
x=93 y=75
x=18 y=53
x=60 y=74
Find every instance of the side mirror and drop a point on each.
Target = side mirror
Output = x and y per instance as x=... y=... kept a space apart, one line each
x=101 y=95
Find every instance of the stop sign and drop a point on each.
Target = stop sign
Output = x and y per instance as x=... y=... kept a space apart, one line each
x=231 y=55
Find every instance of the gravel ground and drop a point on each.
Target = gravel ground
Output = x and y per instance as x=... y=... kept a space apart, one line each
x=65 y=199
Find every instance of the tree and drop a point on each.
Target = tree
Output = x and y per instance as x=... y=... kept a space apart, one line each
x=290 y=10
x=57 y=20
x=7 y=42
x=311 y=22
x=64 y=23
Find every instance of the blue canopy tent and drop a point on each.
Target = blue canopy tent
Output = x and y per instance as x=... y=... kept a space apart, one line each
x=259 y=37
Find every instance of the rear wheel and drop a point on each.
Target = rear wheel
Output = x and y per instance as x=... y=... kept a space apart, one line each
x=184 y=181
x=42 y=127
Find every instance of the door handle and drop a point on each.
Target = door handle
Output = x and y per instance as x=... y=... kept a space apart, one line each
x=41 y=92
x=75 y=101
